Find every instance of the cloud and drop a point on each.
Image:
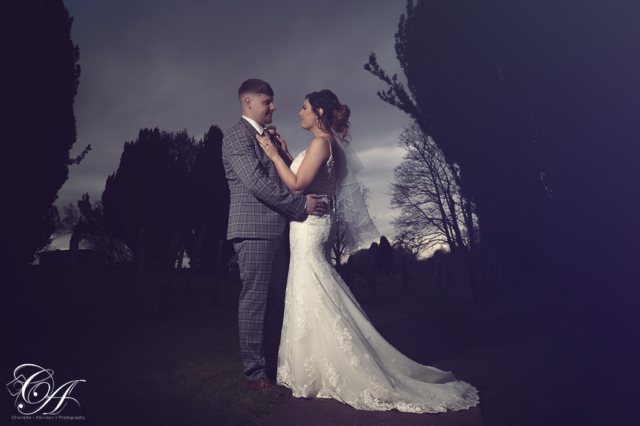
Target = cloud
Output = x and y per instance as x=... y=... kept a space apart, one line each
x=176 y=65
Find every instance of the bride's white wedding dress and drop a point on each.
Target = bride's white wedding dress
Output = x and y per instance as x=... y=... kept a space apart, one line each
x=329 y=349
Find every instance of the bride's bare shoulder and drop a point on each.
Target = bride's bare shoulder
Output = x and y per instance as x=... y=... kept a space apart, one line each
x=320 y=146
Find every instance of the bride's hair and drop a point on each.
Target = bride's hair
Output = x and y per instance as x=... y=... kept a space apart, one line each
x=335 y=116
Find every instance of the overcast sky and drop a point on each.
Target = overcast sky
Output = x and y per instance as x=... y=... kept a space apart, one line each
x=178 y=64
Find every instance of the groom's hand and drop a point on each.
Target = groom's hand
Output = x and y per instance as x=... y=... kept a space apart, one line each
x=316 y=205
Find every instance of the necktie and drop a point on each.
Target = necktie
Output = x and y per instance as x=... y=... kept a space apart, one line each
x=267 y=135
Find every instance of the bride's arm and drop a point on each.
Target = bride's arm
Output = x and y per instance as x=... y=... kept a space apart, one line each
x=283 y=145
x=317 y=154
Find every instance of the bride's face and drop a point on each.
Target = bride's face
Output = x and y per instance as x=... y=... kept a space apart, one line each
x=307 y=116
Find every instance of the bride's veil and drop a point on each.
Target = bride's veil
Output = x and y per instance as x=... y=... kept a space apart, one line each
x=351 y=209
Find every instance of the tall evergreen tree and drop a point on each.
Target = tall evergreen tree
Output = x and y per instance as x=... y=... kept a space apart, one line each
x=168 y=183
x=149 y=190
x=209 y=196
x=385 y=256
x=535 y=102
x=40 y=88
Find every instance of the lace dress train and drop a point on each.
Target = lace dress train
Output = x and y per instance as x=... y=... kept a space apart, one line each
x=329 y=349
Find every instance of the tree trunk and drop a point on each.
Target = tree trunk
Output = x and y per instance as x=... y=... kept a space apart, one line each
x=443 y=214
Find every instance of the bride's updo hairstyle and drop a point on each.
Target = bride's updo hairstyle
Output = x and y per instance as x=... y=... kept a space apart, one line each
x=335 y=116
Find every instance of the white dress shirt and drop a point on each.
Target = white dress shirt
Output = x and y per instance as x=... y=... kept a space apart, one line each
x=255 y=124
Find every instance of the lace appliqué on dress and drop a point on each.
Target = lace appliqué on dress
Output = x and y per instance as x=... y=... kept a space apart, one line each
x=329 y=348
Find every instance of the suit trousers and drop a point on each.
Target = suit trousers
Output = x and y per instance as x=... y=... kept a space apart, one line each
x=263 y=270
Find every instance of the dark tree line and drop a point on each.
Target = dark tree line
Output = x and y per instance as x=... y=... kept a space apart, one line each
x=168 y=183
x=537 y=102
x=40 y=82
x=209 y=197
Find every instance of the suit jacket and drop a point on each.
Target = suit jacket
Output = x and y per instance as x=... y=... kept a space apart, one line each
x=261 y=204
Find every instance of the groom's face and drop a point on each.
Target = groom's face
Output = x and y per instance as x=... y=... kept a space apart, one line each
x=262 y=109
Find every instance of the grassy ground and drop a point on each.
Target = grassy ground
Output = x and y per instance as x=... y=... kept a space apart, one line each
x=180 y=366
x=531 y=362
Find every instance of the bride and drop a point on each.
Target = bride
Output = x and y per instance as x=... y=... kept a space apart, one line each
x=329 y=349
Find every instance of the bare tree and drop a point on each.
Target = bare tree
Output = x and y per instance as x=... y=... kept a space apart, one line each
x=429 y=193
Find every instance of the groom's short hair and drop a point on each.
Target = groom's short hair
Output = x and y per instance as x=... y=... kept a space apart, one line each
x=254 y=87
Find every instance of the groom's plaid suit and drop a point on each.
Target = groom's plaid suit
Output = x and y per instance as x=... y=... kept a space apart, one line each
x=261 y=206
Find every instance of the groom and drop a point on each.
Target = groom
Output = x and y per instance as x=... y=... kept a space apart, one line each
x=261 y=206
